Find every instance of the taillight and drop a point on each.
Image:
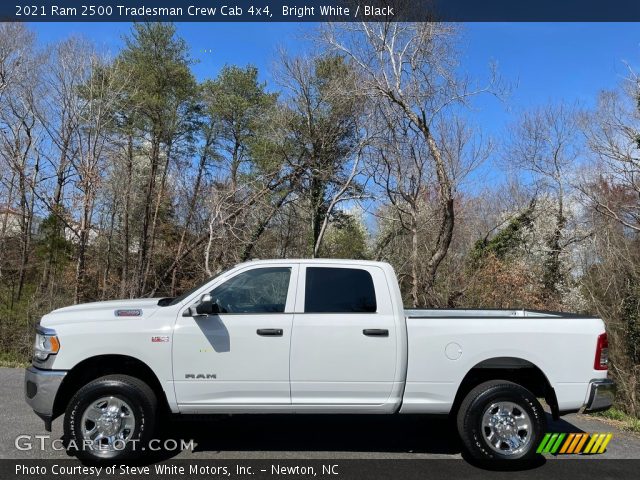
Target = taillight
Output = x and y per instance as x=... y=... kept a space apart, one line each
x=602 y=353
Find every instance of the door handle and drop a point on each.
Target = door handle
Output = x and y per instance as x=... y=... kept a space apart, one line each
x=376 y=332
x=269 y=332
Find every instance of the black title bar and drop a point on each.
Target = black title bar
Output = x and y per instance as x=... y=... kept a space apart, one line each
x=319 y=11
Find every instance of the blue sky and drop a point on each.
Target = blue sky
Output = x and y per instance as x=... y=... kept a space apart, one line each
x=543 y=62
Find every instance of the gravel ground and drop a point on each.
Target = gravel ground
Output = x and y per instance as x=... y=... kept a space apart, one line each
x=291 y=436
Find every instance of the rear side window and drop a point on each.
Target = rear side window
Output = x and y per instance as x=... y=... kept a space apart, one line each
x=339 y=290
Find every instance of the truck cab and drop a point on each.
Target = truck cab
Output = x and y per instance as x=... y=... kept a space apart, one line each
x=282 y=336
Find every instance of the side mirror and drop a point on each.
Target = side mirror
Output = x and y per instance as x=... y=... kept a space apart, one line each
x=206 y=306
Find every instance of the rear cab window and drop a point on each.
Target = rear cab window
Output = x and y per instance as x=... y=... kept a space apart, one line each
x=339 y=290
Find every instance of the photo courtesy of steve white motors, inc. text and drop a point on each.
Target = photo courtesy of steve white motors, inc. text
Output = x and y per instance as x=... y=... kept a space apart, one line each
x=239 y=469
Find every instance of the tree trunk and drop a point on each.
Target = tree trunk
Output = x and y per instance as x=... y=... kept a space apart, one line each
x=83 y=240
x=260 y=228
x=553 y=267
x=56 y=210
x=192 y=206
x=146 y=220
x=25 y=234
x=445 y=193
x=107 y=267
x=124 y=276
x=26 y=207
x=5 y=219
x=414 y=261
x=156 y=211
x=316 y=197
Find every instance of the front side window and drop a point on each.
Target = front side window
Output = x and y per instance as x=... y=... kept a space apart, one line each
x=339 y=290
x=261 y=290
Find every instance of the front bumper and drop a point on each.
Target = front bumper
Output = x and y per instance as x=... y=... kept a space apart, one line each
x=40 y=389
x=601 y=395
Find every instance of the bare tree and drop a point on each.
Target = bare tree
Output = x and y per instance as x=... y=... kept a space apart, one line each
x=611 y=263
x=613 y=136
x=409 y=72
x=341 y=195
x=16 y=54
x=546 y=146
x=19 y=134
x=402 y=167
x=611 y=188
x=58 y=109
x=97 y=98
x=321 y=134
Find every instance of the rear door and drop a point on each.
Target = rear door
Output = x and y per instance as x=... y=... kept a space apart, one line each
x=343 y=344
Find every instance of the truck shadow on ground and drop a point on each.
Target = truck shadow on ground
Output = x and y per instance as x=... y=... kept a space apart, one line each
x=319 y=433
x=408 y=434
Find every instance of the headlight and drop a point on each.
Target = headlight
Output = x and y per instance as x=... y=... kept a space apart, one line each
x=47 y=343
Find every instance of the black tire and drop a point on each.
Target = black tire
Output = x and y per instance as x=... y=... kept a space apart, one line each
x=135 y=393
x=474 y=435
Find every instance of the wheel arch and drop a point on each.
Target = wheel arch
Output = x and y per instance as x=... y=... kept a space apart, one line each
x=100 y=365
x=514 y=369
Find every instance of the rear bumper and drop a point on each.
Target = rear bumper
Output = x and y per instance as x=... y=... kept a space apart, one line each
x=40 y=389
x=601 y=395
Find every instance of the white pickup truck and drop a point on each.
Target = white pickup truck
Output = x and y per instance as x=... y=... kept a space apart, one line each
x=311 y=336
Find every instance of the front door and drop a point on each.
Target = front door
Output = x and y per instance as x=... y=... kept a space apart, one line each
x=239 y=356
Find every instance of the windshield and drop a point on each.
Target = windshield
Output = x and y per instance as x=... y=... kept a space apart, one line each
x=174 y=301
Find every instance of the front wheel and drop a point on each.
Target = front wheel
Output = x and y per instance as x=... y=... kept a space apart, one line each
x=500 y=420
x=110 y=418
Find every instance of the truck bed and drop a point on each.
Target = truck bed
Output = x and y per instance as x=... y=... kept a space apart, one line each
x=444 y=344
x=417 y=313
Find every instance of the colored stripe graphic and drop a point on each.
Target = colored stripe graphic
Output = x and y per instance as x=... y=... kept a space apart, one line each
x=573 y=446
x=592 y=440
x=606 y=441
x=552 y=440
x=574 y=443
x=583 y=439
x=555 y=447
x=543 y=443
x=596 y=445
x=567 y=443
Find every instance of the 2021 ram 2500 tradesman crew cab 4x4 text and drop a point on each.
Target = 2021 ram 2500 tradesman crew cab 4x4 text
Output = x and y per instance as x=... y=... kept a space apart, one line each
x=311 y=336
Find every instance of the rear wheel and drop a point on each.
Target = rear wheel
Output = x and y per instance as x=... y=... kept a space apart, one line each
x=110 y=418
x=501 y=420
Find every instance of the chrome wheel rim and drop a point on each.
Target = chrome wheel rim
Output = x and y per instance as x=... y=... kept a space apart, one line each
x=507 y=428
x=107 y=424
